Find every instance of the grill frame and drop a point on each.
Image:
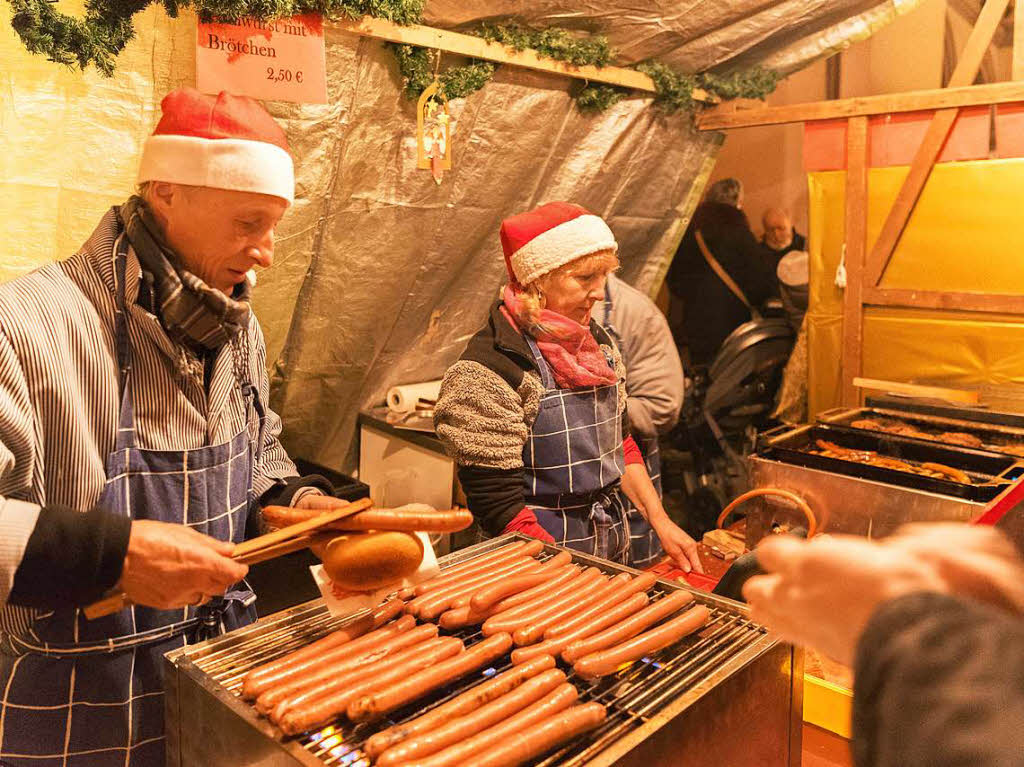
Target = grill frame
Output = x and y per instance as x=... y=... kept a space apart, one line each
x=191 y=668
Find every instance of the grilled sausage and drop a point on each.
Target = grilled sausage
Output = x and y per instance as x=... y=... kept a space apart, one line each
x=408 y=520
x=260 y=678
x=564 y=573
x=475 y=722
x=586 y=595
x=313 y=673
x=451 y=574
x=432 y=604
x=470 y=750
x=616 y=595
x=549 y=606
x=467 y=702
x=629 y=627
x=608 y=661
x=621 y=611
x=511 y=619
x=544 y=736
x=406 y=689
x=488 y=596
x=335 y=698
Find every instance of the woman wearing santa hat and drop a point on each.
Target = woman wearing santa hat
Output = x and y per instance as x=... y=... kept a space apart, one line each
x=534 y=410
x=136 y=446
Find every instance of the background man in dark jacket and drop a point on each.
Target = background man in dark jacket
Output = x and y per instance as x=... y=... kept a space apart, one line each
x=780 y=237
x=711 y=311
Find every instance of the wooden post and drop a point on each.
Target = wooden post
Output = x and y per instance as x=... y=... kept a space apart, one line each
x=855 y=240
x=938 y=131
x=1017 y=72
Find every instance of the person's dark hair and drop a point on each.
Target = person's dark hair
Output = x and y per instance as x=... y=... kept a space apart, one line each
x=728 y=191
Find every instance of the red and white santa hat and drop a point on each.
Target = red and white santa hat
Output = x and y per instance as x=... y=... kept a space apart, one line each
x=551 y=236
x=223 y=142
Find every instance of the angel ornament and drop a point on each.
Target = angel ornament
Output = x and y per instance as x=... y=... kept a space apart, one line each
x=434 y=131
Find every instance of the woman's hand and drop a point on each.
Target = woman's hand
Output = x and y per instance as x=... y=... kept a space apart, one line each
x=677 y=544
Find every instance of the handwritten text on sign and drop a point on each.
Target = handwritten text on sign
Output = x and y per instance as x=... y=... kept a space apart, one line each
x=279 y=60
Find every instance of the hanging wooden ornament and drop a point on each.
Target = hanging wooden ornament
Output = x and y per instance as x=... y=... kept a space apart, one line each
x=434 y=129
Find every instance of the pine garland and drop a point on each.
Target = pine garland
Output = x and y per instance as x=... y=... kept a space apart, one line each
x=107 y=27
x=415 y=66
x=555 y=43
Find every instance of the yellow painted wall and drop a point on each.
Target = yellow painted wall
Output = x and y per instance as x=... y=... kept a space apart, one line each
x=72 y=140
x=963 y=236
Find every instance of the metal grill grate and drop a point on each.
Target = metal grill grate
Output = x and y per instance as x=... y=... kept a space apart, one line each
x=632 y=696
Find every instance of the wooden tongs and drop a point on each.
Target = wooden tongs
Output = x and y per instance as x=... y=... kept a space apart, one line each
x=274 y=544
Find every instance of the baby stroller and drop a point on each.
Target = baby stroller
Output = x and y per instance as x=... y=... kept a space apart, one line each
x=726 y=405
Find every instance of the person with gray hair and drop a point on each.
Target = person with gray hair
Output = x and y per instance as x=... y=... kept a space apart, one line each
x=728 y=191
x=718 y=273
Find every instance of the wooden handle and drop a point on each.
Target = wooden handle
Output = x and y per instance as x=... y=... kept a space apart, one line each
x=916 y=390
x=259 y=549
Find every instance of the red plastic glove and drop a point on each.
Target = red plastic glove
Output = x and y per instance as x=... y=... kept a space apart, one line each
x=525 y=522
x=632 y=451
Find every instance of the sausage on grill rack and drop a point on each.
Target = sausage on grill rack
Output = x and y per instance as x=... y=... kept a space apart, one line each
x=487 y=596
x=609 y=661
x=487 y=561
x=544 y=736
x=432 y=604
x=564 y=572
x=457 y=617
x=620 y=593
x=262 y=677
x=320 y=706
x=633 y=604
x=533 y=631
x=630 y=627
x=395 y=693
x=465 y=703
x=475 y=722
x=511 y=619
x=313 y=673
x=472 y=749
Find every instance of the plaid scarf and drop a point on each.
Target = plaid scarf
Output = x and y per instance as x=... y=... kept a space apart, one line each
x=192 y=313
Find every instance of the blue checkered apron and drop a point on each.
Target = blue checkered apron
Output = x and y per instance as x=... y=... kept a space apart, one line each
x=79 y=693
x=573 y=462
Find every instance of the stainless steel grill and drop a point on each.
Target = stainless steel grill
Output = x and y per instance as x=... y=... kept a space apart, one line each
x=640 y=699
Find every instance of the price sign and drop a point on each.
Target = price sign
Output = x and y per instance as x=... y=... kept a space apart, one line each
x=279 y=60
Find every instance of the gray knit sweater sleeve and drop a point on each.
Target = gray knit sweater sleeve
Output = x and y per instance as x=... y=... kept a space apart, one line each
x=481 y=419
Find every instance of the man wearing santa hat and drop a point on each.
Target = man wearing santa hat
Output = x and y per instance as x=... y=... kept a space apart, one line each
x=135 y=441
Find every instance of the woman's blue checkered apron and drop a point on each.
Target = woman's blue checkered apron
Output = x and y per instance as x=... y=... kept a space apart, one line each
x=573 y=463
x=79 y=693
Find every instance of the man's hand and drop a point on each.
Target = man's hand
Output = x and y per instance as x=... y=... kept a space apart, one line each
x=171 y=565
x=677 y=544
x=319 y=502
x=822 y=592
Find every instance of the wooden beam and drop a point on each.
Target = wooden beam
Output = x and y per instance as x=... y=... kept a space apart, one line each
x=478 y=48
x=855 y=239
x=739 y=113
x=996 y=303
x=965 y=396
x=935 y=138
x=1017 y=71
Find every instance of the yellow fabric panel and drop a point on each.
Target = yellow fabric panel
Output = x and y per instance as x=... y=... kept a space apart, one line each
x=964 y=233
x=958 y=349
x=961 y=237
x=72 y=140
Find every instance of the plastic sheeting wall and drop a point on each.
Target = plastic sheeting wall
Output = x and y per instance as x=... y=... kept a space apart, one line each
x=963 y=236
x=380 y=276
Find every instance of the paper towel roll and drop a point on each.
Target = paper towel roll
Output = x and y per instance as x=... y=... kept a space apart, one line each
x=403 y=399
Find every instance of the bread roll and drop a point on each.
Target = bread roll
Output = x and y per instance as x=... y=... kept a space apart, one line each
x=369 y=561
